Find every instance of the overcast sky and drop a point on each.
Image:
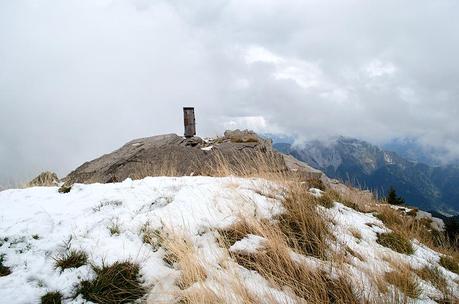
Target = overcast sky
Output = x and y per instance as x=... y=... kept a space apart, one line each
x=79 y=78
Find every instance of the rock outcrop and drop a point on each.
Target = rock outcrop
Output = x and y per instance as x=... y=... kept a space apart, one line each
x=236 y=152
x=44 y=179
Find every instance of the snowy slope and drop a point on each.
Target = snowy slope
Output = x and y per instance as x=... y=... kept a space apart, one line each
x=194 y=204
x=37 y=223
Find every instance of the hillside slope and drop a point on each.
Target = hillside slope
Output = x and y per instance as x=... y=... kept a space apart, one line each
x=368 y=166
x=172 y=228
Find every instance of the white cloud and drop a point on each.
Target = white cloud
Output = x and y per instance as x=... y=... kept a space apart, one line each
x=80 y=78
x=377 y=68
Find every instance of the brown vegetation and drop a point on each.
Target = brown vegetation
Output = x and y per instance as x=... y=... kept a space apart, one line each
x=117 y=283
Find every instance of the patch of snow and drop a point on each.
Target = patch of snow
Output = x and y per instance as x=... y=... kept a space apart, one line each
x=207 y=148
x=375 y=255
x=249 y=244
x=316 y=192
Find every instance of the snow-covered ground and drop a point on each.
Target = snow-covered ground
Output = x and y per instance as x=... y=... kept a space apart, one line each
x=36 y=225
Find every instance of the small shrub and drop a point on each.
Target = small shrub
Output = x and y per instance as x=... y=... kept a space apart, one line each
x=117 y=283
x=4 y=271
x=405 y=282
x=393 y=199
x=395 y=242
x=449 y=263
x=71 y=259
x=52 y=297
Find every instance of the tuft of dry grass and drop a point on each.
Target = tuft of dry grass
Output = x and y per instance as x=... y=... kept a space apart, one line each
x=405 y=281
x=315 y=183
x=64 y=188
x=117 y=283
x=395 y=242
x=237 y=231
x=328 y=198
x=355 y=254
x=151 y=236
x=71 y=259
x=114 y=228
x=303 y=225
x=275 y=263
x=355 y=233
x=227 y=288
x=181 y=253
x=449 y=263
x=390 y=217
x=200 y=295
x=51 y=297
x=4 y=271
x=434 y=276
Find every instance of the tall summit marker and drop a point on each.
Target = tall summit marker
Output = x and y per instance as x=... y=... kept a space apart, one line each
x=190 y=122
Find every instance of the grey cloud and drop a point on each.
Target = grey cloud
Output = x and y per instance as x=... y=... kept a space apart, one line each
x=79 y=78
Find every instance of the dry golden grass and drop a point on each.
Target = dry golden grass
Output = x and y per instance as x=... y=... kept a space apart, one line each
x=395 y=242
x=433 y=275
x=405 y=281
x=355 y=254
x=274 y=262
x=355 y=233
x=227 y=287
x=181 y=253
x=151 y=236
x=450 y=263
x=115 y=283
x=304 y=227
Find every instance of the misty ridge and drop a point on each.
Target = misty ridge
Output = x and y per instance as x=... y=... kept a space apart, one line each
x=229 y=151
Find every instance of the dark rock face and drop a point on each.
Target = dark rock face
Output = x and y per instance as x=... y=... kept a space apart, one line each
x=174 y=155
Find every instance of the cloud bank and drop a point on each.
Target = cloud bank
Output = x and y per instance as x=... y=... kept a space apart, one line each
x=80 y=78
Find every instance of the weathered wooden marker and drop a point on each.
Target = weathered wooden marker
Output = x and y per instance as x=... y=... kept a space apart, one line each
x=190 y=122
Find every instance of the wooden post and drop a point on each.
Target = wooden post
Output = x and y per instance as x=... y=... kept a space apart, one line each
x=190 y=123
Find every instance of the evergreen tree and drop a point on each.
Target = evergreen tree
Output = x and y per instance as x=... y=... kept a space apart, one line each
x=393 y=199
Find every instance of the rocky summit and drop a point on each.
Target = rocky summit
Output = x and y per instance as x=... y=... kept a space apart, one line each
x=175 y=155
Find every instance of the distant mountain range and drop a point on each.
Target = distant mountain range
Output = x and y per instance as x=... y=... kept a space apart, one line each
x=427 y=186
